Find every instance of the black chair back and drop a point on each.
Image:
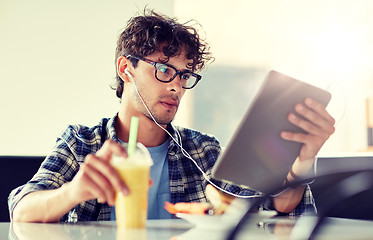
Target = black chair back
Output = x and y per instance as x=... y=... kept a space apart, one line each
x=15 y=171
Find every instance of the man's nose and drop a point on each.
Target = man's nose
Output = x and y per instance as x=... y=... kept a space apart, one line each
x=175 y=85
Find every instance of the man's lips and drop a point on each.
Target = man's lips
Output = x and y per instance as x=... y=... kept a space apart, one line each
x=170 y=103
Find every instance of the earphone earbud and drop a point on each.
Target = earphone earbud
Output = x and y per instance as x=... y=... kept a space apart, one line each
x=128 y=73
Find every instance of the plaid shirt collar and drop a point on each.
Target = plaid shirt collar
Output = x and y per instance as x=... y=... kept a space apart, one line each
x=111 y=134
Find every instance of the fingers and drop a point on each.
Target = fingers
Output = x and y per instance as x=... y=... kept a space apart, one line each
x=97 y=178
x=105 y=169
x=111 y=147
x=317 y=120
x=96 y=185
x=105 y=177
x=317 y=114
x=320 y=109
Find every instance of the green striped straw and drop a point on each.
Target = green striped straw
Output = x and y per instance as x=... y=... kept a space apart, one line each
x=133 y=135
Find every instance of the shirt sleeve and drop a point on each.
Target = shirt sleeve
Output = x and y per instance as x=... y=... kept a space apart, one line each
x=305 y=207
x=58 y=168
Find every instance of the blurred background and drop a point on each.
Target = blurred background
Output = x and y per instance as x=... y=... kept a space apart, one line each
x=57 y=63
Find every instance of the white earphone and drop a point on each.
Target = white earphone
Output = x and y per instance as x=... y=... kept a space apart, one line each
x=128 y=73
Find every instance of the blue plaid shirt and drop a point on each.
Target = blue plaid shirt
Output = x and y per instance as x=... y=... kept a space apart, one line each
x=187 y=183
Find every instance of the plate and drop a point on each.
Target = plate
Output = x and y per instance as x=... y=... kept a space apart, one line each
x=221 y=221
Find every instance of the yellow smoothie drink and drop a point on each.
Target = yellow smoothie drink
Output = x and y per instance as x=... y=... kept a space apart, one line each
x=131 y=211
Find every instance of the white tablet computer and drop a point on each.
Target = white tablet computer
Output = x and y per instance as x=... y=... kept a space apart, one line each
x=256 y=155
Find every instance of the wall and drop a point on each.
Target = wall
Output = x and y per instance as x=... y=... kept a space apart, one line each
x=56 y=67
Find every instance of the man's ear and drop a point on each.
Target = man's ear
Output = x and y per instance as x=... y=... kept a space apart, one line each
x=122 y=64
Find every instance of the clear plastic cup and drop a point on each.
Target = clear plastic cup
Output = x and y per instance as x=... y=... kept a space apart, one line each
x=131 y=211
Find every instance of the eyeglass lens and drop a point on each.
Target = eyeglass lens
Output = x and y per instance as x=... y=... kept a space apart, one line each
x=167 y=73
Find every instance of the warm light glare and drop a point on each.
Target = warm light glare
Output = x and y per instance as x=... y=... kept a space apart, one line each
x=339 y=51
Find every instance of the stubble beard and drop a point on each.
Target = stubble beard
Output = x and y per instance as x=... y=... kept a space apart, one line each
x=161 y=120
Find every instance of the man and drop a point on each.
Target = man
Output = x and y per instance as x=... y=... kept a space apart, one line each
x=156 y=61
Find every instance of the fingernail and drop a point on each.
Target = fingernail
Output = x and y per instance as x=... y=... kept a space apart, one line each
x=124 y=153
x=309 y=101
x=285 y=134
x=125 y=191
x=299 y=107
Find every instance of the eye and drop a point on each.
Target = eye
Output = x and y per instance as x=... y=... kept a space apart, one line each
x=186 y=76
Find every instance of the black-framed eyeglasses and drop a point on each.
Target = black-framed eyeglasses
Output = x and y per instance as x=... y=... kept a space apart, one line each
x=166 y=73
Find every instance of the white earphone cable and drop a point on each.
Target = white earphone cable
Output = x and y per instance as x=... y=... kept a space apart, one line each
x=183 y=151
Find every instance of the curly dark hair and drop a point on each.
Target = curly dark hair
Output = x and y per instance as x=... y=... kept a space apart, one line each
x=153 y=32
